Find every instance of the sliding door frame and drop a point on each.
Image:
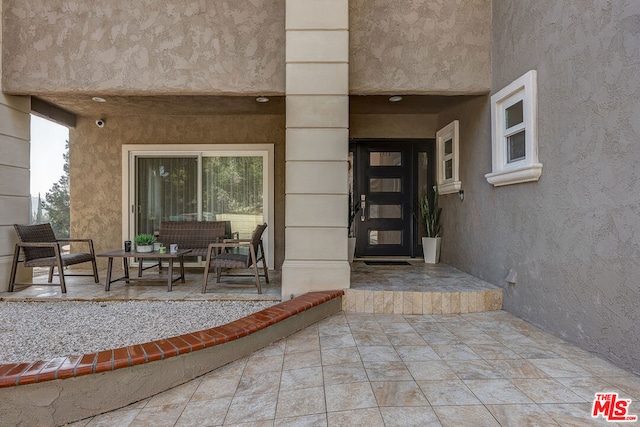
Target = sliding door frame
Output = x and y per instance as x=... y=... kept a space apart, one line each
x=266 y=151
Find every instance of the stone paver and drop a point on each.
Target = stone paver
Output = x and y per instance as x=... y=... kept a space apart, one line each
x=355 y=369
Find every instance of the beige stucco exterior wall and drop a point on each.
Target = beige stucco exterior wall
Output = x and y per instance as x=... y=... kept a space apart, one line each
x=96 y=156
x=96 y=172
x=393 y=125
x=419 y=46
x=133 y=46
x=147 y=47
x=237 y=47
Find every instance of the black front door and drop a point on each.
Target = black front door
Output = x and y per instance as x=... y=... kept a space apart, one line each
x=386 y=184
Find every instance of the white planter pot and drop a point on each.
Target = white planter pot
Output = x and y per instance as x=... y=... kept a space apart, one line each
x=144 y=248
x=431 y=249
x=351 y=248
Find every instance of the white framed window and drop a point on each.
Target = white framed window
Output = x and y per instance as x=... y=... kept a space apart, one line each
x=514 y=116
x=448 y=158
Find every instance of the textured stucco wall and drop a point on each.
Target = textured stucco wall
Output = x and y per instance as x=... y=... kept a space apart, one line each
x=392 y=125
x=169 y=46
x=573 y=237
x=419 y=46
x=96 y=159
x=469 y=226
x=224 y=47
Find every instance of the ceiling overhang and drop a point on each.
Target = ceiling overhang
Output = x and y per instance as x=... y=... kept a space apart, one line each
x=63 y=108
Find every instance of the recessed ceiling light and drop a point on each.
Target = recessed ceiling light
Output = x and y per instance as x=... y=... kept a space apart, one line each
x=395 y=98
x=262 y=99
x=98 y=99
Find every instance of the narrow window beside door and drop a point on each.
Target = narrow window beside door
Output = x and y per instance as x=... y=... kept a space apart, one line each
x=448 y=158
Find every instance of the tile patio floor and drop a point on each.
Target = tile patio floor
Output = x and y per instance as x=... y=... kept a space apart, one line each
x=416 y=277
x=83 y=288
x=352 y=369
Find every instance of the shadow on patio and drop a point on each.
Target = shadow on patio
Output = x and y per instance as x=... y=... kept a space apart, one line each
x=82 y=288
x=413 y=277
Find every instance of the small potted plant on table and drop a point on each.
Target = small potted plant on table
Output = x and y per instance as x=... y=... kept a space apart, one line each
x=144 y=242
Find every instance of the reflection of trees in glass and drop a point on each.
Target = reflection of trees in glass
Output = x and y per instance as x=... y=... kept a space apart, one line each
x=167 y=190
x=232 y=185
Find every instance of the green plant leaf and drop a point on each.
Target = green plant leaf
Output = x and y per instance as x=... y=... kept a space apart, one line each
x=144 y=239
x=430 y=216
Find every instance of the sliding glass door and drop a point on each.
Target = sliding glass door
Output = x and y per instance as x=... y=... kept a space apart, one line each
x=166 y=190
x=232 y=190
x=222 y=185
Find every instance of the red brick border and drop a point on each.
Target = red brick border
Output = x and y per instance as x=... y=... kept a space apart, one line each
x=15 y=374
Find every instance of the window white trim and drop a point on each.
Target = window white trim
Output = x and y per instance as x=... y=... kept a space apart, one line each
x=528 y=168
x=451 y=184
x=129 y=153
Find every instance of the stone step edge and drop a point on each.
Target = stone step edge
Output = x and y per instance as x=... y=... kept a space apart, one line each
x=401 y=302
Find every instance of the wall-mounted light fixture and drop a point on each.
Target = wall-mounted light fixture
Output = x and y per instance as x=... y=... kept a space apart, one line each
x=512 y=277
x=262 y=99
x=461 y=194
x=395 y=98
x=98 y=99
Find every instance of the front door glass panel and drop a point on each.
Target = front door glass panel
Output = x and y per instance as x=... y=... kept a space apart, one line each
x=385 y=185
x=385 y=237
x=385 y=211
x=385 y=158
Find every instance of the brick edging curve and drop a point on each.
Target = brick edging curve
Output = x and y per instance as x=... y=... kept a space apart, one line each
x=16 y=374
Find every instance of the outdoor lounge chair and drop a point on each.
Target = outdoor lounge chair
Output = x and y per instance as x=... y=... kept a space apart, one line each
x=219 y=257
x=40 y=248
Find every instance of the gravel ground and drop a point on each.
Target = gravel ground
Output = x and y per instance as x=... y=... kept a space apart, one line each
x=31 y=331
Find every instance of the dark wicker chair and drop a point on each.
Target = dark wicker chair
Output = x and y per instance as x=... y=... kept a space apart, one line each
x=40 y=248
x=219 y=257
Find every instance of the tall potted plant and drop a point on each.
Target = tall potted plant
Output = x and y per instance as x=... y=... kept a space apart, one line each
x=353 y=211
x=430 y=219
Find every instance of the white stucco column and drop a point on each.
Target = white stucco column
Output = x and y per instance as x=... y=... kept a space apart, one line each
x=15 y=134
x=317 y=102
x=15 y=192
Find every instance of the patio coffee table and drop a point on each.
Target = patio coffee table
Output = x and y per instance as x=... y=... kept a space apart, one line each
x=144 y=255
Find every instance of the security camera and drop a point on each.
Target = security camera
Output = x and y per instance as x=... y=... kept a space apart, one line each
x=100 y=123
